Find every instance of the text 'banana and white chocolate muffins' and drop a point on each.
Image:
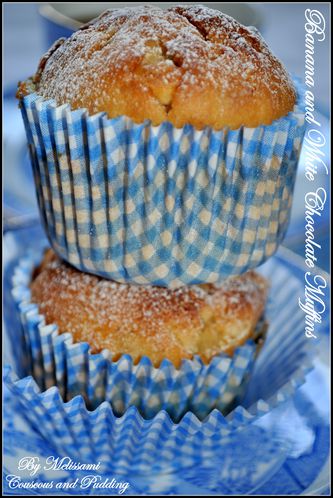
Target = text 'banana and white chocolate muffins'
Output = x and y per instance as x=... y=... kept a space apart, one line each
x=165 y=146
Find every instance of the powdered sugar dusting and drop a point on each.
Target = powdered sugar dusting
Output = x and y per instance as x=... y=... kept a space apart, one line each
x=99 y=310
x=185 y=47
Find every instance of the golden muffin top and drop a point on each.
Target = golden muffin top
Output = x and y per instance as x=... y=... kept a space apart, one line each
x=157 y=322
x=187 y=65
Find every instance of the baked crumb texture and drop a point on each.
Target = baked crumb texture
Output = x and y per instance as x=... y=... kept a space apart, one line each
x=187 y=65
x=150 y=321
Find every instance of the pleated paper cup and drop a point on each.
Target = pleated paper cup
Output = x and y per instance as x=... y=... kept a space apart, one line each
x=160 y=205
x=57 y=361
x=128 y=444
x=132 y=443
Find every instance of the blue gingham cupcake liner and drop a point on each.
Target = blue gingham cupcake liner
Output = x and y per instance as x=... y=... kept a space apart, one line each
x=128 y=444
x=160 y=205
x=57 y=361
x=132 y=443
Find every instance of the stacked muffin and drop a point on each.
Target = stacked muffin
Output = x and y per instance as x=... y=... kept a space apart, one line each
x=164 y=145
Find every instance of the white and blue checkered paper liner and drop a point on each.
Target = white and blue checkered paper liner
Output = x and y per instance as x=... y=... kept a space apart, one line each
x=56 y=360
x=128 y=444
x=132 y=443
x=157 y=204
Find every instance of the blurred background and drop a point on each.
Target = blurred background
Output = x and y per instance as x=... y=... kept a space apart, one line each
x=30 y=28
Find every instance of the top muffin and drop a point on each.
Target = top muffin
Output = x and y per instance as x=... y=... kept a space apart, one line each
x=187 y=65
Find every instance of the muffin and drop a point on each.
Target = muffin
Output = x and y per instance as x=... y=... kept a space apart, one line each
x=186 y=65
x=156 y=322
x=131 y=445
x=175 y=349
x=164 y=145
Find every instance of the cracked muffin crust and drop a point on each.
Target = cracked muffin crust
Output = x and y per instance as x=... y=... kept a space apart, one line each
x=187 y=65
x=157 y=322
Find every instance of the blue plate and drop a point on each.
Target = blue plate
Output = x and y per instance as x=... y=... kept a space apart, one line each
x=284 y=452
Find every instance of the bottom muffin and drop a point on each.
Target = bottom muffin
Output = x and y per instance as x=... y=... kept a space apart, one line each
x=187 y=350
x=155 y=322
x=132 y=444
